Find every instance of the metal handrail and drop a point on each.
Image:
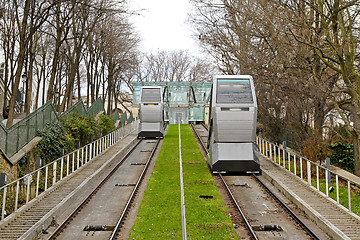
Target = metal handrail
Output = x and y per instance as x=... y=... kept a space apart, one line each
x=278 y=154
x=95 y=108
x=57 y=170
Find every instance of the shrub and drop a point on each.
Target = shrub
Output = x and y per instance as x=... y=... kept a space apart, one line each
x=342 y=156
x=81 y=127
x=106 y=123
x=54 y=140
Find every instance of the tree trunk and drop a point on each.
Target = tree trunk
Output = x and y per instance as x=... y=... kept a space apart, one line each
x=21 y=58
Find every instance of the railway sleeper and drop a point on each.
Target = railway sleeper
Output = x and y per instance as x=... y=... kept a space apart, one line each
x=267 y=228
x=96 y=228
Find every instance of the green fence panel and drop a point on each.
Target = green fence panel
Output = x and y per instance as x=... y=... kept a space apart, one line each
x=123 y=119
x=95 y=108
x=3 y=135
x=131 y=118
x=116 y=116
x=78 y=107
x=22 y=132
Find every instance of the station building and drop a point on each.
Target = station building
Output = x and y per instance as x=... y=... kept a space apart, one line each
x=184 y=102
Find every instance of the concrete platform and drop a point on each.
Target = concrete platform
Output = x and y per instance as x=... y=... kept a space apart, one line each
x=332 y=218
x=63 y=194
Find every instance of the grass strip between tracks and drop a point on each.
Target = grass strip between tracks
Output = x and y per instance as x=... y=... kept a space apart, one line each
x=159 y=215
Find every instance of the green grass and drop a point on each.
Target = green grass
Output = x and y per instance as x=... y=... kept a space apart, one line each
x=159 y=215
x=206 y=218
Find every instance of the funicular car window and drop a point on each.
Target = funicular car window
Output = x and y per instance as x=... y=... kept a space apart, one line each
x=234 y=91
x=151 y=95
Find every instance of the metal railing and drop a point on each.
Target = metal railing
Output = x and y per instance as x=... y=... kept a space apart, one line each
x=20 y=192
x=78 y=107
x=95 y=108
x=116 y=116
x=312 y=173
x=21 y=133
x=123 y=119
x=18 y=135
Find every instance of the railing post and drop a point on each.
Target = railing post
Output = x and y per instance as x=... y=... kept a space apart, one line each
x=349 y=195
x=67 y=164
x=54 y=172
x=28 y=188
x=37 y=182
x=271 y=148
x=284 y=154
x=337 y=188
x=46 y=176
x=3 y=204
x=326 y=182
x=17 y=194
x=78 y=159
x=327 y=169
x=295 y=164
x=309 y=172
x=82 y=156
x=61 y=168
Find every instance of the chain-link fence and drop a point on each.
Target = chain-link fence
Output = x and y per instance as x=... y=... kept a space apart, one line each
x=20 y=192
x=95 y=108
x=123 y=119
x=3 y=134
x=22 y=132
x=116 y=116
x=78 y=107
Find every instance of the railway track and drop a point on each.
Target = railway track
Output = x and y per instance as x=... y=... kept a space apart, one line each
x=253 y=200
x=98 y=214
x=49 y=208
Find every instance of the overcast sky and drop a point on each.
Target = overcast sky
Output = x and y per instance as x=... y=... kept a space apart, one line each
x=161 y=24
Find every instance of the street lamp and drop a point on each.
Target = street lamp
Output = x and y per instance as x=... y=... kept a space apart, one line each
x=73 y=100
x=57 y=100
x=57 y=95
x=23 y=78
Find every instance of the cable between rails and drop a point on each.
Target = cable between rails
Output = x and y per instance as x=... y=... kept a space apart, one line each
x=183 y=216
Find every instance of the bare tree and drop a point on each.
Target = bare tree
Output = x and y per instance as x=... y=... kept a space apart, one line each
x=173 y=66
x=252 y=37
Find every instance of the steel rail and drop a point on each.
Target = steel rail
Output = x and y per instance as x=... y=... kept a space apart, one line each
x=247 y=224
x=203 y=124
x=63 y=225
x=291 y=213
x=288 y=210
x=198 y=136
x=132 y=196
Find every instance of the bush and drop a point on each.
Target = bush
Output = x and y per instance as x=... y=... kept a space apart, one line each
x=106 y=123
x=81 y=127
x=342 y=156
x=54 y=140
